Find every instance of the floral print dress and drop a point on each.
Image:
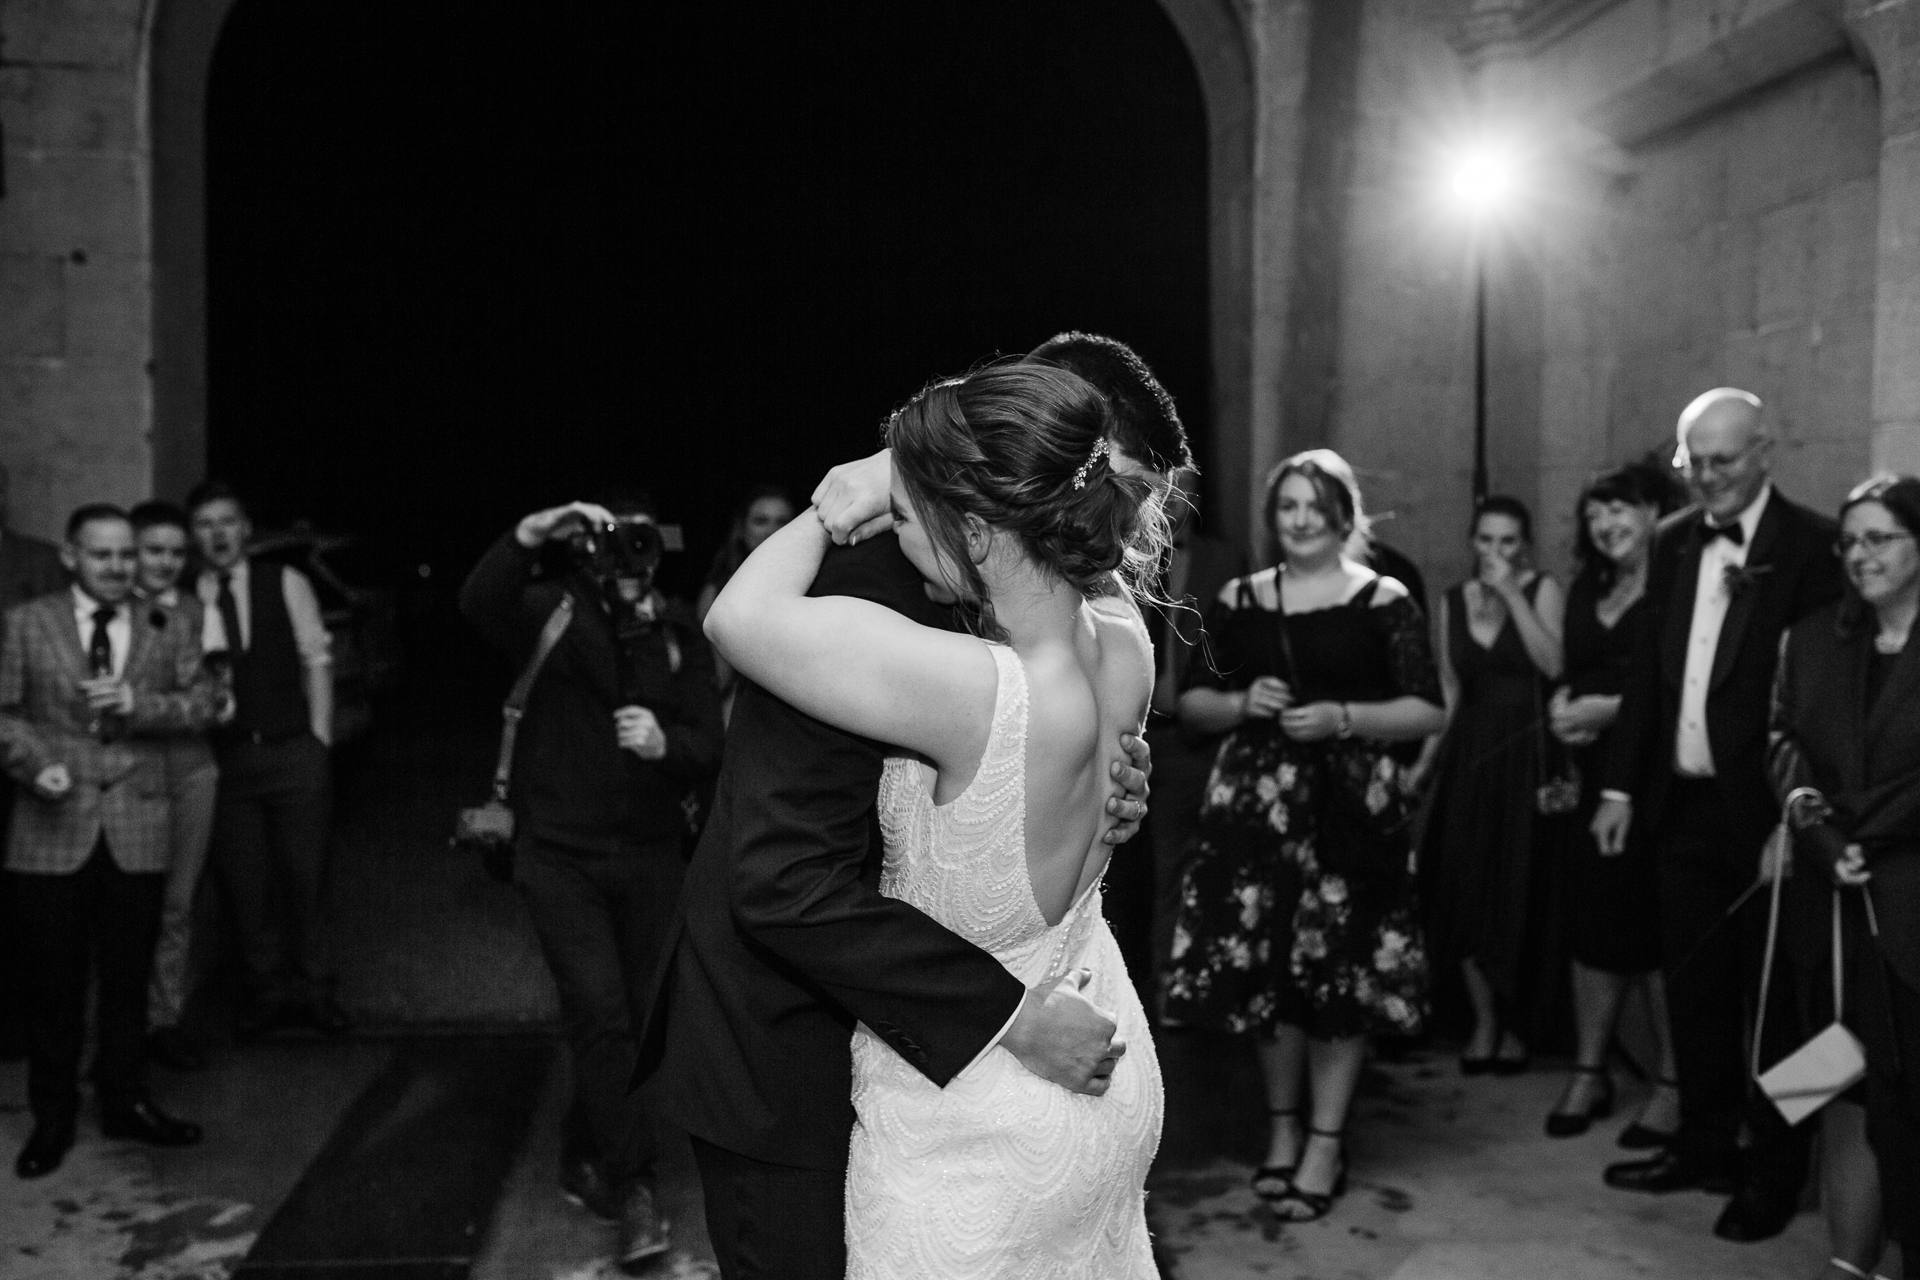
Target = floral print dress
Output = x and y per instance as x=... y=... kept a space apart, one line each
x=1277 y=923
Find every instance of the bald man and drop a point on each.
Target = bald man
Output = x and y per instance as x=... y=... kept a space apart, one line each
x=1686 y=770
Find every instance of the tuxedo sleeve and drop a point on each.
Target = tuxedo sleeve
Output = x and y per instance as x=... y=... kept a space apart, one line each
x=800 y=840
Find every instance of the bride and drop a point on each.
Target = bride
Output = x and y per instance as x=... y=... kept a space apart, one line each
x=1003 y=495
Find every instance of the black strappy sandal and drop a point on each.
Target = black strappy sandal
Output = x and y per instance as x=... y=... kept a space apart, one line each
x=1571 y=1124
x=1267 y=1175
x=1638 y=1137
x=1311 y=1206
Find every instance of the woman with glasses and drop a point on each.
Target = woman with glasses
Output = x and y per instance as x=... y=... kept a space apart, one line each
x=1296 y=919
x=1486 y=881
x=1845 y=763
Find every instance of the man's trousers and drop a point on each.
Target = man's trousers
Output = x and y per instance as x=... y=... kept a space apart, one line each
x=270 y=833
x=193 y=801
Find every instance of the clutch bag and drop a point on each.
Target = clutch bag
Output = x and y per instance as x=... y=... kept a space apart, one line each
x=1816 y=1073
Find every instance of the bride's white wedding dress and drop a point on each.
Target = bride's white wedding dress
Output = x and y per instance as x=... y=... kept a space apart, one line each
x=1001 y=1173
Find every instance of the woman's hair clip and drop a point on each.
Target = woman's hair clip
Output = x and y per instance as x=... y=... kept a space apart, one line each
x=1101 y=448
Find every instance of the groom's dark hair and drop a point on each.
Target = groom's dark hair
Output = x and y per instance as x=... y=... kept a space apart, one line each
x=1145 y=422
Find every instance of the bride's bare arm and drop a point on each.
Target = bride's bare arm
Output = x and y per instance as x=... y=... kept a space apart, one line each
x=856 y=665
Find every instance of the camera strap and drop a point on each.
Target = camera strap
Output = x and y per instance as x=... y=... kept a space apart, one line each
x=516 y=703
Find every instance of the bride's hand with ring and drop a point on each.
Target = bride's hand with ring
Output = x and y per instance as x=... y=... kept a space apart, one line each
x=855 y=501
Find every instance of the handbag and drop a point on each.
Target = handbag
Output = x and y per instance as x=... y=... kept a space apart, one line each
x=1368 y=811
x=488 y=828
x=1829 y=1064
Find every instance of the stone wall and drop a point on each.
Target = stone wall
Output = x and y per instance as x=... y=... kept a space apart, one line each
x=75 y=261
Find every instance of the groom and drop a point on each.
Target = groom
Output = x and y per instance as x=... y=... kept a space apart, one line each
x=782 y=941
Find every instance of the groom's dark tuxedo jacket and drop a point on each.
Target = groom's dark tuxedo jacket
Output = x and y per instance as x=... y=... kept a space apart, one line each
x=782 y=939
x=1790 y=572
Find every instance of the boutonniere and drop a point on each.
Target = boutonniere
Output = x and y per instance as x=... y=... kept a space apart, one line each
x=1736 y=578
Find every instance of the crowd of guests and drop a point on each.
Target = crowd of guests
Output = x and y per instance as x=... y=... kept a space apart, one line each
x=1685 y=782
x=165 y=702
x=1604 y=765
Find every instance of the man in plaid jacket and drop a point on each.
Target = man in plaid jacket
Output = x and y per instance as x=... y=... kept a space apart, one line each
x=91 y=682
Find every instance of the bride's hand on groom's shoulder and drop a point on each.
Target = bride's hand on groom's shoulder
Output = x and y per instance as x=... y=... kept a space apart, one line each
x=1062 y=1036
x=855 y=501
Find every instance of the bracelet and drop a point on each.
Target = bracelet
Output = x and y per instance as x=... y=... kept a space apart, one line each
x=1346 y=722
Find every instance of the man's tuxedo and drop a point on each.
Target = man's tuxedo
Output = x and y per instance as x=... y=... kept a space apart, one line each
x=782 y=939
x=87 y=869
x=1708 y=831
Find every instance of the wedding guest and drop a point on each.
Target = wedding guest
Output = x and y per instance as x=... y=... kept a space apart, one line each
x=275 y=798
x=1687 y=768
x=1613 y=931
x=1485 y=866
x=89 y=688
x=1845 y=765
x=161 y=543
x=1297 y=920
x=766 y=509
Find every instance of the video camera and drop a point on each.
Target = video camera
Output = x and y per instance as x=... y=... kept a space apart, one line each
x=621 y=556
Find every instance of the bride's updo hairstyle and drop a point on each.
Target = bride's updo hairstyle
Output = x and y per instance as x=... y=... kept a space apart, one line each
x=1023 y=446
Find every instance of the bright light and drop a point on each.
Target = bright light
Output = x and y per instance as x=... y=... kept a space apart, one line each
x=1484 y=178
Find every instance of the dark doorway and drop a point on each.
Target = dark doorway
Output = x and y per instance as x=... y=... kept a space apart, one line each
x=469 y=259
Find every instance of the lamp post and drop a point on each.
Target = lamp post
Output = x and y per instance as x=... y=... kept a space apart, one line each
x=1481 y=182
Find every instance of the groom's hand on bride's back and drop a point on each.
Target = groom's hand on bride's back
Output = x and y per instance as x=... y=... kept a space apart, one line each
x=1062 y=1036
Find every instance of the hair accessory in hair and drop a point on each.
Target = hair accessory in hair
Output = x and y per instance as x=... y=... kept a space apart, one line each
x=1101 y=448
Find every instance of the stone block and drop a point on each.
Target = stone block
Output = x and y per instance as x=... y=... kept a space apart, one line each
x=73 y=110
x=1814 y=131
x=74 y=33
x=1783 y=262
x=73 y=433
x=1739 y=274
x=109 y=309
x=1845 y=261
x=1896 y=446
x=32 y=307
x=60 y=203
x=1896 y=373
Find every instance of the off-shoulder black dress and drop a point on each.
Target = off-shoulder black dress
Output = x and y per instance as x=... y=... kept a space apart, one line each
x=1272 y=926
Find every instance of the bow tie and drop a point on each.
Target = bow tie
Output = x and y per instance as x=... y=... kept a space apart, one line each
x=1731 y=532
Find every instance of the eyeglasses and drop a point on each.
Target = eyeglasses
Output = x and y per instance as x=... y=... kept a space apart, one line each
x=1874 y=541
x=1692 y=464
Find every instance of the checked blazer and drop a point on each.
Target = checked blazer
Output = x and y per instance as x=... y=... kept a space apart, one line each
x=120 y=784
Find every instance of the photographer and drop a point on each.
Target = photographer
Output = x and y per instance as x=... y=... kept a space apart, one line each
x=622 y=723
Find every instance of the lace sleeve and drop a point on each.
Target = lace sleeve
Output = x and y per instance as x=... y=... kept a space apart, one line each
x=1409 y=650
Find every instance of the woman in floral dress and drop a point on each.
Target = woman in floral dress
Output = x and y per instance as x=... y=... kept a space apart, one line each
x=1297 y=919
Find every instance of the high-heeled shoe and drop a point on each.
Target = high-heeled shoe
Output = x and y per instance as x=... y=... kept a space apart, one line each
x=1571 y=1124
x=1300 y=1205
x=1841 y=1264
x=1272 y=1181
x=1638 y=1137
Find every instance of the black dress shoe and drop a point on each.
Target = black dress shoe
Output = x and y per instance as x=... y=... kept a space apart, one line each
x=1667 y=1170
x=1755 y=1214
x=46 y=1147
x=169 y=1047
x=143 y=1122
x=1637 y=1137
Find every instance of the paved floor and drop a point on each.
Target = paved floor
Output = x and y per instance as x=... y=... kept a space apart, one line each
x=1452 y=1179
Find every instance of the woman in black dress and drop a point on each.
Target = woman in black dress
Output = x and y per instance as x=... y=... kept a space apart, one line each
x=1490 y=898
x=1844 y=759
x=1297 y=919
x=1613 y=927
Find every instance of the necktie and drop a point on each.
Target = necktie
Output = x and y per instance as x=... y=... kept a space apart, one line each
x=1731 y=532
x=230 y=616
x=99 y=645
